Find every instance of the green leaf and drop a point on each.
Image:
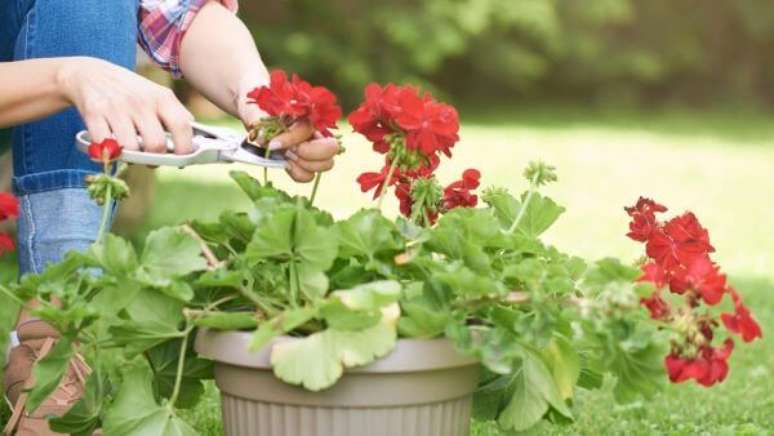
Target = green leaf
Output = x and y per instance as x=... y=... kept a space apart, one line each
x=610 y=270
x=83 y=418
x=292 y=235
x=164 y=359
x=467 y=284
x=48 y=373
x=317 y=361
x=533 y=392
x=365 y=234
x=315 y=246
x=134 y=411
x=564 y=363
x=274 y=238
x=153 y=319
x=541 y=213
x=639 y=371
x=248 y=183
x=360 y=307
x=115 y=255
x=170 y=253
x=114 y=297
x=505 y=206
x=463 y=233
x=283 y=323
x=420 y=320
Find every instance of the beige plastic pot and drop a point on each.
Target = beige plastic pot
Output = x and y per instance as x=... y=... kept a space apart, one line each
x=423 y=388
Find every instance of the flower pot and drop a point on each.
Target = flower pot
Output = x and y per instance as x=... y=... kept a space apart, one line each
x=422 y=388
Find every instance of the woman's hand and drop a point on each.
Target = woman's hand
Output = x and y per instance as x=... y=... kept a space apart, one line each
x=118 y=102
x=307 y=151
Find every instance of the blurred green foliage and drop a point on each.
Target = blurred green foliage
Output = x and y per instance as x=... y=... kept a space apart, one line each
x=638 y=52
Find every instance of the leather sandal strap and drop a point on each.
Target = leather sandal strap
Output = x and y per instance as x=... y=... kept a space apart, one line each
x=18 y=409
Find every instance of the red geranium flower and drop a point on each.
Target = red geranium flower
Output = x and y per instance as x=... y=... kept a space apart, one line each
x=458 y=193
x=656 y=305
x=643 y=218
x=430 y=127
x=371 y=180
x=703 y=276
x=710 y=366
x=741 y=322
x=296 y=100
x=653 y=273
x=9 y=206
x=105 y=151
x=6 y=243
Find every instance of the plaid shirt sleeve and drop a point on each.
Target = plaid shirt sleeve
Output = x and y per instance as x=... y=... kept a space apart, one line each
x=162 y=26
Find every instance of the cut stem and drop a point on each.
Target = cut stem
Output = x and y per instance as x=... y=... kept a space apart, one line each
x=314 y=188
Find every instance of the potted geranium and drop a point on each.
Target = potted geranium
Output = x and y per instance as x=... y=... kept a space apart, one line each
x=372 y=325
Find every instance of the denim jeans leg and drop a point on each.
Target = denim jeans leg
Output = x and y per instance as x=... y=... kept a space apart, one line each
x=56 y=214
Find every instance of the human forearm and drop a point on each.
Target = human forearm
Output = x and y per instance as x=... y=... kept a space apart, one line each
x=29 y=90
x=219 y=58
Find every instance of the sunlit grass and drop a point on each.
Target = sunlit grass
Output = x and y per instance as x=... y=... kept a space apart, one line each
x=725 y=178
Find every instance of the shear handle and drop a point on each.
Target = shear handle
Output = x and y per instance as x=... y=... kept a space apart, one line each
x=201 y=154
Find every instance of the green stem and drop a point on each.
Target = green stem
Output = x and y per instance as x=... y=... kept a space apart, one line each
x=523 y=209
x=10 y=295
x=314 y=188
x=267 y=155
x=105 y=213
x=180 y=365
x=293 y=284
x=387 y=182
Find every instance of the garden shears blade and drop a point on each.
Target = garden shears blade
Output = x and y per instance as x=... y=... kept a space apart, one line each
x=210 y=144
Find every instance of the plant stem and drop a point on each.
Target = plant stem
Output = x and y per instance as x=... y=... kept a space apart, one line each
x=105 y=214
x=10 y=295
x=180 y=365
x=387 y=182
x=314 y=188
x=523 y=209
x=267 y=155
x=293 y=284
x=212 y=260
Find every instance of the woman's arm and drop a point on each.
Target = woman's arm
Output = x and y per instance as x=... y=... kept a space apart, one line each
x=111 y=100
x=218 y=57
x=29 y=91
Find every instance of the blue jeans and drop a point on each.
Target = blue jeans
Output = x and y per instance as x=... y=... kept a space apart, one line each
x=56 y=214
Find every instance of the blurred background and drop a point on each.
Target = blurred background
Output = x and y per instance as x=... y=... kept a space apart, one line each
x=672 y=99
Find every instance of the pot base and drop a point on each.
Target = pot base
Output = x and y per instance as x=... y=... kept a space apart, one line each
x=251 y=418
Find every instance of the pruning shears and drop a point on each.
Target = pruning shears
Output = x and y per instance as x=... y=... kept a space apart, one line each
x=211 y=145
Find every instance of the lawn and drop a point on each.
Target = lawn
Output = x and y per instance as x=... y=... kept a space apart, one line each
x=717 y=165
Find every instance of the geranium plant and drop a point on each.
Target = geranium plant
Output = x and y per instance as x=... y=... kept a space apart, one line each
x=542 y=323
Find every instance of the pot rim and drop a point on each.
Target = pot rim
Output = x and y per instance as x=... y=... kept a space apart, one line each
x=409 y=355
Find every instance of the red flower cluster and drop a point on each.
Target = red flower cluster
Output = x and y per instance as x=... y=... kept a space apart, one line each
x=106 y=151
x=710 y=366
x=458 y=193
x=295 y=99
x=679 y=252
x=9 y=209
x=413 y=130
x=424 y=124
